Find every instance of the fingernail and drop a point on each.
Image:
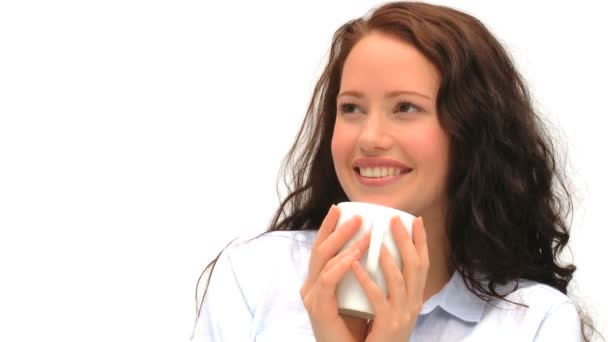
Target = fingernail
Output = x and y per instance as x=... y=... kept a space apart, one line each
x=356 y=220
x=356 y=254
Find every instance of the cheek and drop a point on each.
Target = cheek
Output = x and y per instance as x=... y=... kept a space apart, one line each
x=340 y=146
x=429 y=147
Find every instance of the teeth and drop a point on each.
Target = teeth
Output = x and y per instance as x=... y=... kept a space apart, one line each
x=377 y=172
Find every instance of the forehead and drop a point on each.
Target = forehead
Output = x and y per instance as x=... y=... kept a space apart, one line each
x=379 y=62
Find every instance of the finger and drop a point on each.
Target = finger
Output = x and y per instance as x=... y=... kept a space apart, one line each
x=341 y=235
x=330 y=277
x=420 y=241
x=317 y=258
x=402 y=239
x=327 y=226
x=423 y=256
x=409 y=256
x=362 y=244
x=373 y=292
x=393 y=278
x=325 y=250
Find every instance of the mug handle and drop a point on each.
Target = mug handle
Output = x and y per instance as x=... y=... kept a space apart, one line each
x=373 y=254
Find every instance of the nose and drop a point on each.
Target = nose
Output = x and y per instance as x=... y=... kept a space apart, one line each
x=375 y=135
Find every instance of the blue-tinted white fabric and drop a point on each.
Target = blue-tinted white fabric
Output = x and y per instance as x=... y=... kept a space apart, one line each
x=254 y=295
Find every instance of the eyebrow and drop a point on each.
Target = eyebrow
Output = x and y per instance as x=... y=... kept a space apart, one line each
x=389 y=94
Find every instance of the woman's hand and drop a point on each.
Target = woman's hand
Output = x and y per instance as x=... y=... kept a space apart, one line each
x=395 y=316
x=325 y=271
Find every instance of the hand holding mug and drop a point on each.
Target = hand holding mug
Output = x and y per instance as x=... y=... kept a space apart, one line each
x=376 y=220
x=326 y=268
x=395 y=316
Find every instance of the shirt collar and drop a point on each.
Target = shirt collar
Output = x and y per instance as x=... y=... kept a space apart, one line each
x=456 y=299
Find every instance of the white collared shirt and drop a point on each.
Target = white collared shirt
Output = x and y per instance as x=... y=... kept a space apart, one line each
x=254 y=295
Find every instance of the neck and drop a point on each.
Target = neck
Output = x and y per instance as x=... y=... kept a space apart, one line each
x=438 y=247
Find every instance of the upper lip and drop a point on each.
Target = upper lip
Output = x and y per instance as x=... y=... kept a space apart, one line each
x=378 y=162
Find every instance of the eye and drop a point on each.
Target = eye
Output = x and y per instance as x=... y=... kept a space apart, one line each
x=347 y=107
x=408 y=107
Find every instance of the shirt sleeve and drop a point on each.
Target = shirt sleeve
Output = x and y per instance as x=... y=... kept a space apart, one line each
x=225 y=315
x=562 y=323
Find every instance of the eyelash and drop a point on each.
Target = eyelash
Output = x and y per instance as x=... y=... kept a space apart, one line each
x=342 y=107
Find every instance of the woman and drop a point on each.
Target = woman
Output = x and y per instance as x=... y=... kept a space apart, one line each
x=419 y=109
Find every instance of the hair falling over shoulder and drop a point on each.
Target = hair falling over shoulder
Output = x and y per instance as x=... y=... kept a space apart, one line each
x=509 y=199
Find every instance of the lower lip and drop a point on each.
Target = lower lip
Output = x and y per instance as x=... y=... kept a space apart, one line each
x=382 y=181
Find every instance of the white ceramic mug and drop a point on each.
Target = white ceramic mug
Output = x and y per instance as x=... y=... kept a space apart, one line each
x=352 y=299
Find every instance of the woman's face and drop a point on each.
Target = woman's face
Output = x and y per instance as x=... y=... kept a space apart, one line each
x=387 y=121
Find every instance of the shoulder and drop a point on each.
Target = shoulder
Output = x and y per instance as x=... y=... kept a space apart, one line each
x=544 y=310
x=270 y=245
x=539 y=298
x=268 y=257
x=268 y=269
x=259 y=278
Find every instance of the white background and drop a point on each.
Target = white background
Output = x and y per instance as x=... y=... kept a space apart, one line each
x=137 y=138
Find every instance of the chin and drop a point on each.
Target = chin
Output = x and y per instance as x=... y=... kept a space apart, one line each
x=380 y=200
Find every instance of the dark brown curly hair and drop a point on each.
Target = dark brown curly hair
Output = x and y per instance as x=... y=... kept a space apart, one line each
x=509 y=203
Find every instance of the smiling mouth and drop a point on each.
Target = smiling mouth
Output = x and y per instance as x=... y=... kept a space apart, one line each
x=380 y=172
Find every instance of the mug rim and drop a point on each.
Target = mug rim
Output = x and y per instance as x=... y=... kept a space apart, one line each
x=374 y=205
